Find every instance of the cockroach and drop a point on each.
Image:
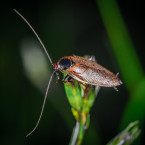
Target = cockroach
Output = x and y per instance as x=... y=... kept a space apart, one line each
x=84 y=70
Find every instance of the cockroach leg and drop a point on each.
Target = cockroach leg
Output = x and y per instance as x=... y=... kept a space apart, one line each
x=86 y=90
x=91 y=57
x=115 y=88
x=67 y=79
x=117 y=74
x=57 y=77
x=70 y=79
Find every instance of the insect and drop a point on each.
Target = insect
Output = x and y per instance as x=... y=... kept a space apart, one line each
x=84 y=70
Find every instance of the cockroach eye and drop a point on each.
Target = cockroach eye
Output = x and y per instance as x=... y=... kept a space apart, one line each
x=65 y=64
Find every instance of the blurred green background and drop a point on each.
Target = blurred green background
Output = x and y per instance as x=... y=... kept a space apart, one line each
x=112 y=31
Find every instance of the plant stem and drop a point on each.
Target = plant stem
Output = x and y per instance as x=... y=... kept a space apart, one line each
x=75 y=134
x=78 y=133
x=81 y=131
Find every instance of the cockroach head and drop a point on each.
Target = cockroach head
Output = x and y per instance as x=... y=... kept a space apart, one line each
x=55 y=67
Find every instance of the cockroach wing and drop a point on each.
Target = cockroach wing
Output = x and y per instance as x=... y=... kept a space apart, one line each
x=89 y=72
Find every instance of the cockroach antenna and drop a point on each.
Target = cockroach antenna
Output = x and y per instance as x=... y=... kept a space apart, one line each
x=43 y=105
x=35 y=35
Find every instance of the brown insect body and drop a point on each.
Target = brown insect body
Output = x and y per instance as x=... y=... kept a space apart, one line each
x=87 y=71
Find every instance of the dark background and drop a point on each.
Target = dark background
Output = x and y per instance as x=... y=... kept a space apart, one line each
x=66 y=28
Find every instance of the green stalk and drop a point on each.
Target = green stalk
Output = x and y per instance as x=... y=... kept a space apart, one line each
x=81 y=132
x=75 y=134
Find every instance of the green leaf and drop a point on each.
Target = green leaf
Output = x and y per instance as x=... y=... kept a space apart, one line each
x=127 y=136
